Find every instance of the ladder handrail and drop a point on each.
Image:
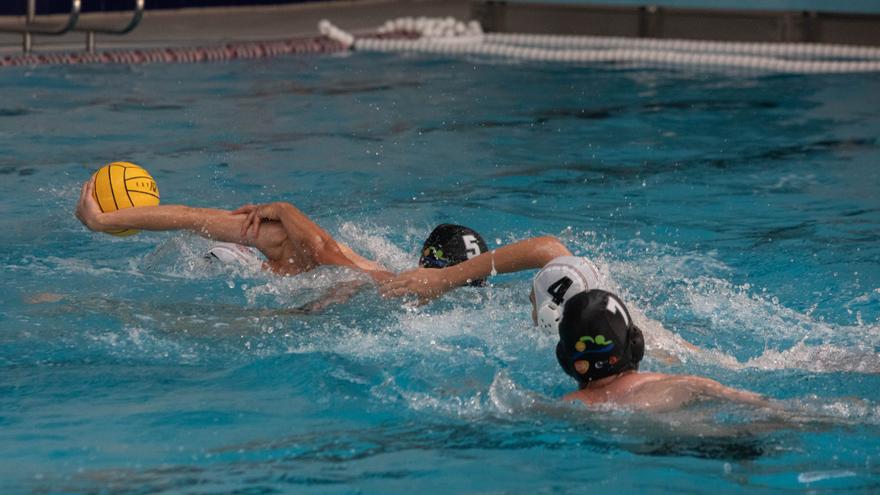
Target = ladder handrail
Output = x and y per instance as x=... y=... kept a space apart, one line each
x=138 y=13
x=30 y=26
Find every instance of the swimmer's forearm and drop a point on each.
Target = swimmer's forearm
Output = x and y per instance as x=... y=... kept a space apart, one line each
x=746 y=397
x=212 y=223
x=299 y=227
x=529 y=254
x=303 y=231
x=323 y=248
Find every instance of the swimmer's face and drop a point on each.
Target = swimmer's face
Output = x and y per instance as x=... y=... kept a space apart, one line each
x=534 y=309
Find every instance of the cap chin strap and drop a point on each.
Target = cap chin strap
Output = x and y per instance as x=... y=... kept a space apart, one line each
x=549 y=315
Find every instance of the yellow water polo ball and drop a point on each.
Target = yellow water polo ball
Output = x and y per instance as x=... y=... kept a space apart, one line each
x=124 y=185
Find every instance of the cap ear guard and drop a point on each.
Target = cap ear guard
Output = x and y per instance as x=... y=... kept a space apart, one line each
x=635 y=338
x=549 y=315
x=567 y=366
x=636 y=346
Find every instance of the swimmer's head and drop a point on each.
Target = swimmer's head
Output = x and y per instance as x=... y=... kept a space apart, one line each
x=560 y=279
x=597 y=337
x=233 y=254
x=449 y=245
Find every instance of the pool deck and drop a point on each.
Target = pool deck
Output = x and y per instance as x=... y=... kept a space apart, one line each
x=711 y=22
x=211 y=26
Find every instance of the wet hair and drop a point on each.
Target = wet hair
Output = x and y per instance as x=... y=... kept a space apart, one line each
x=450 y=244
x=597 y=337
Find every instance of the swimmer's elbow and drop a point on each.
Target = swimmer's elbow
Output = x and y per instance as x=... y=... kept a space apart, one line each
x=327 y=252
x=549 y=248
x=716 y=389
x=284 y=205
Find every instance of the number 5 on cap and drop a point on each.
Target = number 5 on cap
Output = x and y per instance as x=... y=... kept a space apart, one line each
x=470 y=245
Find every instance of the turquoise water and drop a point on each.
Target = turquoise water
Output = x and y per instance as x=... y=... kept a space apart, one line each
x=738 y=211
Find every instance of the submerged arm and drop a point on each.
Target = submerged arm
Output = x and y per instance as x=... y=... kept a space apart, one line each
x=426 y=283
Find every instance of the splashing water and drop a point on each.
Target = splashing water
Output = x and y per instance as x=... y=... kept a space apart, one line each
x=735 y=217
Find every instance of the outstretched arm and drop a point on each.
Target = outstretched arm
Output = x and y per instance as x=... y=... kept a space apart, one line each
x=220 y=225
x=427 y=283
x=669 y=392
x=719 y=391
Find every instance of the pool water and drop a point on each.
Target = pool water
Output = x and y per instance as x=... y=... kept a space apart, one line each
x=738 y=211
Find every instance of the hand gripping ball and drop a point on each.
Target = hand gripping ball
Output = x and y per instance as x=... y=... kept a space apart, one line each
x=124 y=185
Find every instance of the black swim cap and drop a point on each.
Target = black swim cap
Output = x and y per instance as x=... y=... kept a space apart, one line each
x=449 y=245
x=597 y=337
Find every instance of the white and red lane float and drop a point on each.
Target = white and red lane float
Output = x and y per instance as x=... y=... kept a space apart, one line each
x=451 y=37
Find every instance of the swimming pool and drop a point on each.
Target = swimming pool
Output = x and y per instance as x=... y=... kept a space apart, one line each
x=739 y=211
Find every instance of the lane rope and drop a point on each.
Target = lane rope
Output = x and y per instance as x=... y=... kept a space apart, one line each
x=447 y=36
x=228 y=51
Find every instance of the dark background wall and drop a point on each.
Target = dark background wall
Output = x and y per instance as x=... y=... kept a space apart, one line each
x=18 y=7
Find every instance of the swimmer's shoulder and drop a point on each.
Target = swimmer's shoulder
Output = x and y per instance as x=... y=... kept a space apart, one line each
x=618 y=391
x=640 y=383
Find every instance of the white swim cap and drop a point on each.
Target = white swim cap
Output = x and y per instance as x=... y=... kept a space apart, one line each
x=556 y=283
x=228 y=252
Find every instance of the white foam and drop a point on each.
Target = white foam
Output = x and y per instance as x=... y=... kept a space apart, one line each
x=508 y=398
x=822 y=358
x=182 y=255
x=656 y=279
x=814 y=476
x=838 y=410
x=299 y=289
x=502 y=398
x=372 y=243
x=653 y=279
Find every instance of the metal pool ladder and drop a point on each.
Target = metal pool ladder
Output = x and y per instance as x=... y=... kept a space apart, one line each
x=31 y=26
x=91 y=28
